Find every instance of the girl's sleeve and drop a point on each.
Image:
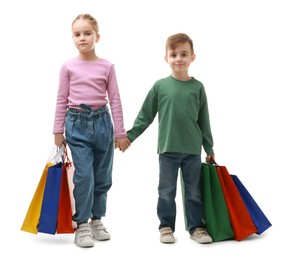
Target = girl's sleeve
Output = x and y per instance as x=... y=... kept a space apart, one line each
x=61 y=101
x=115 y=104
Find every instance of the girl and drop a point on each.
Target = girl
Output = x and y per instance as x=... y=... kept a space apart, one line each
x=86 y=84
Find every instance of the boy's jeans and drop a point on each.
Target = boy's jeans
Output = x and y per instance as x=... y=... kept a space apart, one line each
x=90 y=136
x=190 y=165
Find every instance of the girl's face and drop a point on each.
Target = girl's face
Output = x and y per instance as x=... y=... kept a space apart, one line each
x=180 y=58
x=84 y=36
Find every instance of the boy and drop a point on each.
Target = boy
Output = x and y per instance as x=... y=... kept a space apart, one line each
x=184 y=127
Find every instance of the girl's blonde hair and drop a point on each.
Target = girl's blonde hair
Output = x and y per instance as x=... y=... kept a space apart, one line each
x=89 y=18
x=177 y=38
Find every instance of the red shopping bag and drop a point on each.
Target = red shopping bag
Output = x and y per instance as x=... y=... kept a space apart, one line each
x=64 y=218
x=240 y=218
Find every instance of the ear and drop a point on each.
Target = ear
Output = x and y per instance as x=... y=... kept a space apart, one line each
x=166 y=59
x=193 y=57
x=97 y=37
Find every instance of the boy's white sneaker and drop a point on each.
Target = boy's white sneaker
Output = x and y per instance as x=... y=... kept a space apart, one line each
x=166 y=235
x=201 y=236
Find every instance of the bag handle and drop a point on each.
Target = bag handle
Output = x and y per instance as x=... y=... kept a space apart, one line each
x=66 y=157
x=56 y=154
x=212 y=162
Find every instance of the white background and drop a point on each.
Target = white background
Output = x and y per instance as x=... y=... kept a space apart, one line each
x=245 y=58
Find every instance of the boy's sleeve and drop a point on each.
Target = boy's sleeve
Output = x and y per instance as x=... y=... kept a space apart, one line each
x=204 y=124
x=145 y=116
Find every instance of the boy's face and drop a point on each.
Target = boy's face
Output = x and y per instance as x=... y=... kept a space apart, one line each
x=180 y=58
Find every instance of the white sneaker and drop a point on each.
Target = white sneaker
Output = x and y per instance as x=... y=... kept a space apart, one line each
x=98 y=230
x=83 y=236
x=166 y=235
x=201 y=236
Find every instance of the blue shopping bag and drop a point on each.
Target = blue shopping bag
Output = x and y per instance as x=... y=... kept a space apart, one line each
x=49 y=210
x=258 y=217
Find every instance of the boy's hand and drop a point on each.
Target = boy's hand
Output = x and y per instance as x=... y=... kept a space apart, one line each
x=210 y=158
x=122 y=143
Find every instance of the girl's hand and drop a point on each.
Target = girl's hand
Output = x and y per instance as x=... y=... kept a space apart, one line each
x=122 y=143
x=59 y=140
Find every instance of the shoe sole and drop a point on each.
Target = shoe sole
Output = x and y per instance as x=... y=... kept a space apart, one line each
x=84 y=246
x=102 y=239
x=201 y=241
x=167 y=242
x=88 y=246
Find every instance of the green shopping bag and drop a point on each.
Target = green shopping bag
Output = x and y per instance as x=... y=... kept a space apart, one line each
x=216 y=216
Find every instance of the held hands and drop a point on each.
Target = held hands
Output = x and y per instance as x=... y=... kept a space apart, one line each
x=122 y=143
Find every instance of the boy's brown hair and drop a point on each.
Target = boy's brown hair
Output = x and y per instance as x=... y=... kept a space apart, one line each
x=177 y=38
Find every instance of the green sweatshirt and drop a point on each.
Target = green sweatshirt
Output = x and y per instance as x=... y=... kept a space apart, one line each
x=183 y=116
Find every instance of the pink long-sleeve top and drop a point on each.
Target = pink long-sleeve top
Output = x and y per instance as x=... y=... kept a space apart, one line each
x=93 y=83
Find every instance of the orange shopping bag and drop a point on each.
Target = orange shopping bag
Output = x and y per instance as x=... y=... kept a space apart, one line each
x=64 y=218
x=240 y=218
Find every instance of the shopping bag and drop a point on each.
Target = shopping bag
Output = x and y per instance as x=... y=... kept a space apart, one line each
x=70 y=174
x=240 y=218
x=30 y=223
x=31 y=220
x=64 y=217
x=50 y=202
x=258 y=217
x=216 y=216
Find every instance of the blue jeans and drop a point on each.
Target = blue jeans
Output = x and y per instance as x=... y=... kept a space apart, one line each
x=190 y=165
x=90 y=136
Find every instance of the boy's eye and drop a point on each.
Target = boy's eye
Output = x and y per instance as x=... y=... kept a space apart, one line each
x=183 y=55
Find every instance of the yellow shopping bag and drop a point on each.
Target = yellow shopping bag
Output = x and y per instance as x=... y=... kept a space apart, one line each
x=31 y=220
